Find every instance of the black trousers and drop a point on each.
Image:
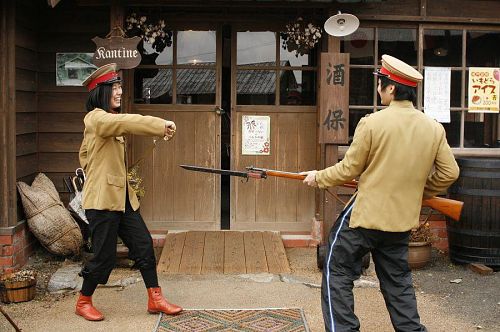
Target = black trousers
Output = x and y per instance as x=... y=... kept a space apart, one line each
x=105 y=227
x=343 y=263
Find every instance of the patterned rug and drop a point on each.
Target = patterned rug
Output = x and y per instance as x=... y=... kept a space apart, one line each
x=251 y=320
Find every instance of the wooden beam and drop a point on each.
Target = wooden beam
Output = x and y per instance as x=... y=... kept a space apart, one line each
x=8 y=210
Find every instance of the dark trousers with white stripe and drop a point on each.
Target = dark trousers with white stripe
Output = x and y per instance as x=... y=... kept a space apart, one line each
x=343 y=262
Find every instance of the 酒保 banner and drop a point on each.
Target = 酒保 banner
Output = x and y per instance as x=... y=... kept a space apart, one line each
x=483 y=89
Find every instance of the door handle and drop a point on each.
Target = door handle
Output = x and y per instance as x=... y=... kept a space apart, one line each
x=219 y=111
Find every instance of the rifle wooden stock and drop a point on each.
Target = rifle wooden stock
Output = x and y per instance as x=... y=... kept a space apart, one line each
x=448 y=207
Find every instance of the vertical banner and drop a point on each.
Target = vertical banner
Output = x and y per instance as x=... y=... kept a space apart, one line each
x=483 y=90
x=437 y=90
x=256 y=135
x=334 y=99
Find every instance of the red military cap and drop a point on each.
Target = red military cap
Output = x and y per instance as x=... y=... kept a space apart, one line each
x=399 y=71
x=103 y=75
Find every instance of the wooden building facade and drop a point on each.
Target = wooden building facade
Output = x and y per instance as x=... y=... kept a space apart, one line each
x=225 y=62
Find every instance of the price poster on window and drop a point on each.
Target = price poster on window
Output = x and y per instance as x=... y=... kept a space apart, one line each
x=437 y=86
x=256 y=138
x=483 y=89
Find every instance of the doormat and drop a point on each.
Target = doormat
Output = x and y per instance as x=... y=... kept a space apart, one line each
x=248 y=320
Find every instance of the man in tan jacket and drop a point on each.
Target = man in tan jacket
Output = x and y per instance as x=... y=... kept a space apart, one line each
x=400 y=156
x=111 y=205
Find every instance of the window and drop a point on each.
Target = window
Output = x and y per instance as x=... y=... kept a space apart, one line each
x=184 y=73
x=262 y=71
x=440 y=48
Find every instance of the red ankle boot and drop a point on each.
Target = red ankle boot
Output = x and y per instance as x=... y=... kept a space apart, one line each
x=157 y=303
x=85 y=309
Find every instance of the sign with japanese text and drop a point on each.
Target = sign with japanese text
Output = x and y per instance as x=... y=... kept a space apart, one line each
x=334 y=101
x=437 y=91
x=483 y=90
x=256 y=135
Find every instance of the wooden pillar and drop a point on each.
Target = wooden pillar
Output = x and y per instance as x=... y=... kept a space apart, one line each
x=8 y=196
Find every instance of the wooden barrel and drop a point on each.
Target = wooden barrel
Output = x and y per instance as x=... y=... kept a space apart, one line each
x=476 y=237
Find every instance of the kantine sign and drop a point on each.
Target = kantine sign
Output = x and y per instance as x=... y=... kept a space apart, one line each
x=122 y=51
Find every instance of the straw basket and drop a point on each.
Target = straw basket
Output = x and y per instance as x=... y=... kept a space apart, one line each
x=15 y=288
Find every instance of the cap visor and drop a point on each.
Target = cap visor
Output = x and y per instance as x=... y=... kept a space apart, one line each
x=378 y=73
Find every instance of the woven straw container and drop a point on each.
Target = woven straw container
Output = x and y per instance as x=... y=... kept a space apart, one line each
x=48 y=219
x=14 y=288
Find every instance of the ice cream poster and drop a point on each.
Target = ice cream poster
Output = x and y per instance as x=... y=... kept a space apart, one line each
x=483 y=89
x=256 y=132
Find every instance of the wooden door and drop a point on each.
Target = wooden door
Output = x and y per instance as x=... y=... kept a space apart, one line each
x=177 y=199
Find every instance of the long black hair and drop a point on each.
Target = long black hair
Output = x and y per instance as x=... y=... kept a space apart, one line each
x=401 y=92
x=100 y=98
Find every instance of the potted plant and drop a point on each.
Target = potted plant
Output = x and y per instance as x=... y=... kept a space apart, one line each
x=420 y=246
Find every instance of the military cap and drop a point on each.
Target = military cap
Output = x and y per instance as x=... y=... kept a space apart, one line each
x=103 y=75
x=399 y=71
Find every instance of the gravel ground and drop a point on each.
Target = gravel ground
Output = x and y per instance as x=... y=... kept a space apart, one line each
x=471 y=305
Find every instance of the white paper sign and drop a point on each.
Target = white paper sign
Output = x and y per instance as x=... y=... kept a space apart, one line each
x=255 y=133
x=437 y=88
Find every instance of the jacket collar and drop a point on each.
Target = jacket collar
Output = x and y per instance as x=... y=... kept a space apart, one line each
x=402 y=104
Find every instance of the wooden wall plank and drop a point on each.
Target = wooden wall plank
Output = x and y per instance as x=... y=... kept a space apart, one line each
x=26 y=80
x=26 y=37
x=47 y=83
x=26 y=59
x=26 y=165
x=171 y=254
x=255 y=255
x=287 y=131
x=62 y=102
x=59 y=142
x=206 y=195
x=234 y=253
x=61 y=122
x=213 y=255
x=26 y=123
x=25 y=101
x=306 y=159
x=463 y=8
x=26 y=144
x=58 y=162
x=150 y=200
x=192 y=254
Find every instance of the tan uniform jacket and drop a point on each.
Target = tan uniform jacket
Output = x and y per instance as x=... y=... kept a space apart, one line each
x=102 y=156
x=400 y=154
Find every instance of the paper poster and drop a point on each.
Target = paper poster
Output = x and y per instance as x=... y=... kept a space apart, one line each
x=483 y=90
x=256 y=138
x=437 y=89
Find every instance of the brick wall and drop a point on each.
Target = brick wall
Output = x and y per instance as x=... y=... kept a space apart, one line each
x=15 y=248
x=438 y=229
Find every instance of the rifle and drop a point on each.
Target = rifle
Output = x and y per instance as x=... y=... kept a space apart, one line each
x=448 y=207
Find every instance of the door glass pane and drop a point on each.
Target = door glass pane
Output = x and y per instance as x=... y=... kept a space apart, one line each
x=479 y=130
x=400 y=43
x=256 y=48
x=360 y=46
x=294 y=59
x=455 y=88
x=354 y=116
x=482 y=49
x=361 y=86
x=153 y=86
x=443 y=48
x=298 y=87
x=453 y=129
x=196 y=47
x=256 y=87
x=196 y=86
x=151 y=57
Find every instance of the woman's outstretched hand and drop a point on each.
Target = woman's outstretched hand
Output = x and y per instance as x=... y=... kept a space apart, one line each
x=169 y=129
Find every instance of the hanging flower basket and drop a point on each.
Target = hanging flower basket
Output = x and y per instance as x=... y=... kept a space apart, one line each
x=155 y=34
x=300 y=37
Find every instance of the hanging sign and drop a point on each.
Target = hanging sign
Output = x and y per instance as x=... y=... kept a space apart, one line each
x=120 y=50
x=483 y=90
x=255 y=132
x=437 y=90
x=334 y=100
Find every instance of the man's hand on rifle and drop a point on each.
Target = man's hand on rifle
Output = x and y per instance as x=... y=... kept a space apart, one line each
x=310 y=179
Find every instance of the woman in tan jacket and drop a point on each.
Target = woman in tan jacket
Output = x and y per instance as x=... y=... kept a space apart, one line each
x=111 y=206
